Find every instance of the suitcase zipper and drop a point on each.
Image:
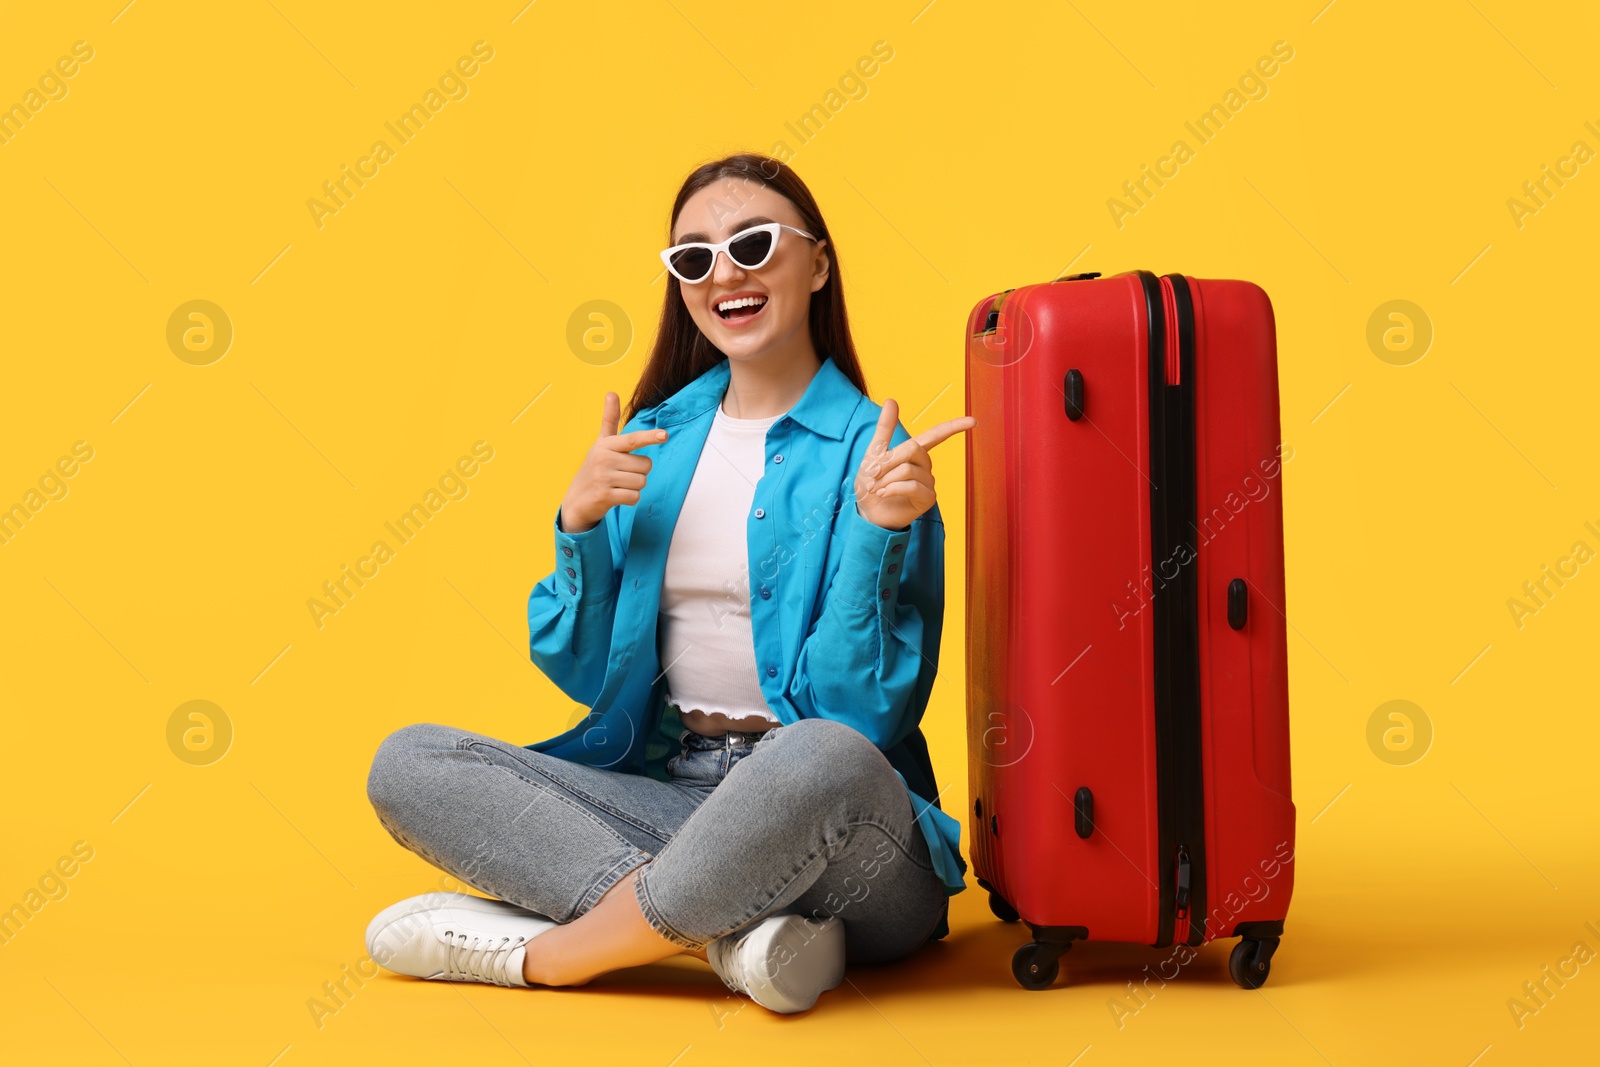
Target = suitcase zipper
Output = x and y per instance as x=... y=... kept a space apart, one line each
x=1180 y=797
x=1180 y=899
x=1190 y=772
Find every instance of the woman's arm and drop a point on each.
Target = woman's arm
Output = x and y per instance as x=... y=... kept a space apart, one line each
x=874 y=649
x=571 y=612
x=876 y=638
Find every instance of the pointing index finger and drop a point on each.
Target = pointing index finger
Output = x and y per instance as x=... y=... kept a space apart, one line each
x=927 y=439
x=637 y=439
x=932 y=436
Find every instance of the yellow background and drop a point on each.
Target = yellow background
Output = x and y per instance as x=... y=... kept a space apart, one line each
x=432 y=310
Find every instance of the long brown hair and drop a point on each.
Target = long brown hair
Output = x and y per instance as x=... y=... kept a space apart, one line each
x=682 y=353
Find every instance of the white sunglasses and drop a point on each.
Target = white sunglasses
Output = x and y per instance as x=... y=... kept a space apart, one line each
x=749 y=249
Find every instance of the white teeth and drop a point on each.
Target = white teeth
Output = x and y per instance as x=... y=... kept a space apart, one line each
x=742 y=302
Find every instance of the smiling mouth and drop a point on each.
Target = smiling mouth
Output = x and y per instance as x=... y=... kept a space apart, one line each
x=747 y=308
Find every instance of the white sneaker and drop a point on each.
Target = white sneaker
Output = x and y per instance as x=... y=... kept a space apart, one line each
x=455 y=937
x=783 y=962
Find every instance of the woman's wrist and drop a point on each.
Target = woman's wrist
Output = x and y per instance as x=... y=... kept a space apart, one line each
x=568 y=526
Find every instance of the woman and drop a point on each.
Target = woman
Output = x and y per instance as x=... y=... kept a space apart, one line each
x=748 y=594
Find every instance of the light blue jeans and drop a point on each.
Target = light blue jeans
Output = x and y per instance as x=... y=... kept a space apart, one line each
x=806 y=818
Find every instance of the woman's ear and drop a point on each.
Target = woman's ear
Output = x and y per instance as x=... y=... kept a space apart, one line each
x=821 y=266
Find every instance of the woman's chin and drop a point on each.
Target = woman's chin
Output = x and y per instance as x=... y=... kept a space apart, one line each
x=745 y=346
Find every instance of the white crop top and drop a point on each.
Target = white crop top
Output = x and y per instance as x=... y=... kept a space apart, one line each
x=703 y=631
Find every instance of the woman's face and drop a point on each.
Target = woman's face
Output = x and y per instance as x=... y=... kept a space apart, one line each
x=797 y=269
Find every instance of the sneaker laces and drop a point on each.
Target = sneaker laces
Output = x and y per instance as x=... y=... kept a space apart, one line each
x=477 y=962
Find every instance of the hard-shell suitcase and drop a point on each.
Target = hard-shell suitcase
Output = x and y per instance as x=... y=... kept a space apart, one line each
x=1127 y=684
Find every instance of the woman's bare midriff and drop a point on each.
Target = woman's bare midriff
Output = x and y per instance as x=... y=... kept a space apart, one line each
x=717 y=723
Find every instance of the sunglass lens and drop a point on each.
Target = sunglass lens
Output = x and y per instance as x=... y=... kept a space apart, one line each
x=752 y=249
x=692 y=263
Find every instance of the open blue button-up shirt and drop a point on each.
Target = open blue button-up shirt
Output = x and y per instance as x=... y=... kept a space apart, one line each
x=846 y=615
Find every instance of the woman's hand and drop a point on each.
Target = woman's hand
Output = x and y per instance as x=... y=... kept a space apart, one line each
x=895 y=485
x=610 y=474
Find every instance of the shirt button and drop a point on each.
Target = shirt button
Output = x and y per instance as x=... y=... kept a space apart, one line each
x=573 y=574
x=778 y=458
x=893 y=567
x=886 y=594
x=772 y=672
x=897 y=548
x=761 y=513
x=766 y=594
x=567 y=550
x=572 y=588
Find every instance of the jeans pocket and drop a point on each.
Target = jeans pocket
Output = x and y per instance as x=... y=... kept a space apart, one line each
x=695 y=767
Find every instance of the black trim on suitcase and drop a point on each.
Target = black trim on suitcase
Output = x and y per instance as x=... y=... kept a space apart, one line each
x=1180 y=798
x=1191 y=751
x=1166 y=837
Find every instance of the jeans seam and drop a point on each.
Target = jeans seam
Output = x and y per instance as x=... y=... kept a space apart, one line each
x=653 y=916
x=890 y=834
x=627 y=817
x=617 y=873
x=648 y=906
x=634 y=852
x=403 y=841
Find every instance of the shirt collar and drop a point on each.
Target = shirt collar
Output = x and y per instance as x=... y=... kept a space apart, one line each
x=826 y=408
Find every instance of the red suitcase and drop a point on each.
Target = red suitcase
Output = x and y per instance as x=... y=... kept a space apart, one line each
x=1127 y=683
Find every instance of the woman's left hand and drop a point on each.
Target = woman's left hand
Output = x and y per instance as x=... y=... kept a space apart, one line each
x=895 y=485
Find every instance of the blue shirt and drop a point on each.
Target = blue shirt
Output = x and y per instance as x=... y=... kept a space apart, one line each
x=846 y=616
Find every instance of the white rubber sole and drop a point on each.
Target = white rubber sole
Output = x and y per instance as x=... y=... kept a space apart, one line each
x=800 y=961
x=393 y=918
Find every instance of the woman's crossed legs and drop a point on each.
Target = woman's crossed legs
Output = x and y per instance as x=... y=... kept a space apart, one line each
x=809 y=820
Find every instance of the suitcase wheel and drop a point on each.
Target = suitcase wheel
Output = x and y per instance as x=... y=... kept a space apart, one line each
x=1251 y=962
x=1035 y=966
x=1001 y=908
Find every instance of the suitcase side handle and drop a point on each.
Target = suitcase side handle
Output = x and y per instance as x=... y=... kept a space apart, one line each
x=1238 y=595
x=1072 y=390
x=1083 y=812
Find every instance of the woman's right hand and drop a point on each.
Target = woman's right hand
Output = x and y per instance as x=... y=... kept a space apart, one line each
x=611 y=474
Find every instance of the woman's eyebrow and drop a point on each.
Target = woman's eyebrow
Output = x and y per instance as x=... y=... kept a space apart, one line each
x=745 y=224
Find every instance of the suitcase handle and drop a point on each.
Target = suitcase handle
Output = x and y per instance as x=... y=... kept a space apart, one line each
x=1072 y=389
x=1238 y=593
x=991 y=321
x=1083 y=812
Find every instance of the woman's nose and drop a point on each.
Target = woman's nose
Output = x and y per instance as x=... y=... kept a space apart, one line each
x=725 y=270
